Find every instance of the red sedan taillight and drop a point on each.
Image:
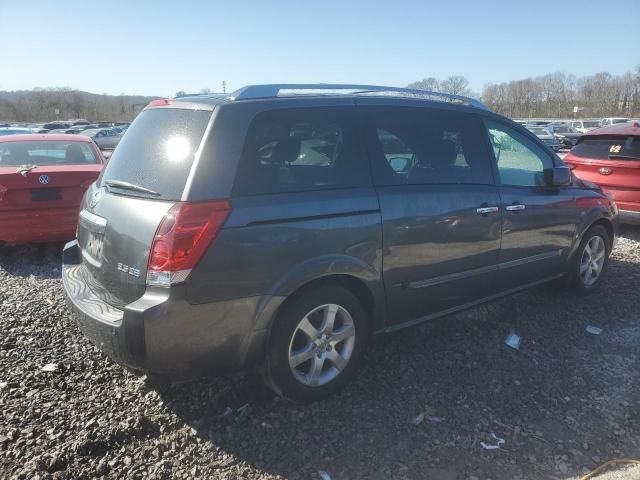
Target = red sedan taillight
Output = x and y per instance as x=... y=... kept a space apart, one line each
x=182 y=237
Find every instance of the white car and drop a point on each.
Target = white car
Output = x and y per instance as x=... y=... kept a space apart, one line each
x=606 y=122
x=583 y=126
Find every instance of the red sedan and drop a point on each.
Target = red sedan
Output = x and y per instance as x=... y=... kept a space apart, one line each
x=610 y=157
x=42 y=181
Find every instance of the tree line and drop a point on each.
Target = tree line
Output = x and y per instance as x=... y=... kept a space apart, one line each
x=553 y=95
x=548 y=96
x=63 y=103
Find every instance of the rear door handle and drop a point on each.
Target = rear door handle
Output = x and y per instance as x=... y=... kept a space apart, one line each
x=486 y=210
x=515 y=208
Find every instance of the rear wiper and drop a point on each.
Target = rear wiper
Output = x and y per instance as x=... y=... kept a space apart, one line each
x=130 y=186
x=626 y=157
x=25 y=169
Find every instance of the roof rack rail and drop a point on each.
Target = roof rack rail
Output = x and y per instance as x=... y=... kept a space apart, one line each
x=280 y=90
x=210 y=94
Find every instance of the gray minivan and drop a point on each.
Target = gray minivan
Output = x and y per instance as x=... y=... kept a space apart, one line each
x=281 y=226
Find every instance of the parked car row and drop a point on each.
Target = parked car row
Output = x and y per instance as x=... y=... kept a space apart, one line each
x=105 y=137
x=564 y=134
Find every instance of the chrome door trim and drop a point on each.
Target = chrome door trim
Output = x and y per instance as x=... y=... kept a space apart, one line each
x=534 y=258
x=451 y=277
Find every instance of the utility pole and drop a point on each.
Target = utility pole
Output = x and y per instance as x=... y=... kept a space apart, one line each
x=224 y=86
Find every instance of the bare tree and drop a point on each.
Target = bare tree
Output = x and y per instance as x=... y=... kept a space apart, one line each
x=456 y=84
x=432 y=84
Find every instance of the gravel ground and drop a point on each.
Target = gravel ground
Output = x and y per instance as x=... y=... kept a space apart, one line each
x=426 y=401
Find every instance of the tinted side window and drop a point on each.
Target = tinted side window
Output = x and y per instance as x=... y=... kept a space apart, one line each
x=520 y=161
x=301 y=150
x=425 y=146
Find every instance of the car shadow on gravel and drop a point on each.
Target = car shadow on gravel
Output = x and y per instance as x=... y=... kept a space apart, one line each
x=427 y=398
x=24 y=261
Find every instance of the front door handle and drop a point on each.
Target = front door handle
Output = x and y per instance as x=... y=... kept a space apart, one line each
x=516 y=207
x=487 y=210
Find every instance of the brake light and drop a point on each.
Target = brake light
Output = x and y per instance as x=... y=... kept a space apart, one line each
x=182 y=237
x=160 y=102
x=3 y=192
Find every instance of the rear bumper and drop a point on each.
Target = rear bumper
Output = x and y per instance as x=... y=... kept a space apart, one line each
x=630 y=217
x=161 y=333
x=38 y=226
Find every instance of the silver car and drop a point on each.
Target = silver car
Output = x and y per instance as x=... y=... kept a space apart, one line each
x=105 y=138
x=547 y=136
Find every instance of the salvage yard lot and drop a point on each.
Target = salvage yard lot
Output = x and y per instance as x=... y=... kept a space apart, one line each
x=426 y=400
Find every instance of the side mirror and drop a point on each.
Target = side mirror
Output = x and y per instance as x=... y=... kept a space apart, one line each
x=557 y=176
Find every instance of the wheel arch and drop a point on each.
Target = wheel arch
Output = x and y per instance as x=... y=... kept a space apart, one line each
x=608 y=226
x=360 y=278
x=594 y=217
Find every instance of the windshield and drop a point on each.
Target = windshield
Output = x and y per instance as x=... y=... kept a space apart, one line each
x=590 y=124
x=50 y=152
x=158 y=150
x=608 y=147
x=620 y=120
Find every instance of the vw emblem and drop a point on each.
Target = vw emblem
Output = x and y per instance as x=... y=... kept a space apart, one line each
x=95 y=198
x=43 y=179
x=605 y=171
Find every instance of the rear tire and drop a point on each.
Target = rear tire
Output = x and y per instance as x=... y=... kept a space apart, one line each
x=590 y=261
x=316 y=343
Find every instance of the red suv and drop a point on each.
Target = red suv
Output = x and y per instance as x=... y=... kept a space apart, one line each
x=610 y=157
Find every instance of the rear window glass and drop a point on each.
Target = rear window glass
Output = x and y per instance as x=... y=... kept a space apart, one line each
x=605 y=147
x=158 y=150
x=14 y=154
x=301 y=150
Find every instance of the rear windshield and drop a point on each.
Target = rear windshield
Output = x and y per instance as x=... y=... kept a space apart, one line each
x=158 y=150
x=604 y=147
x=51 y=152
x=590 y=124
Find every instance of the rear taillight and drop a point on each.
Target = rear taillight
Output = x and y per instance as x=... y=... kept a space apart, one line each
x=3 y=192
x=182 y=237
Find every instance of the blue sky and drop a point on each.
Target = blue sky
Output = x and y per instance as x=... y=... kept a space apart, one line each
x=160 y=47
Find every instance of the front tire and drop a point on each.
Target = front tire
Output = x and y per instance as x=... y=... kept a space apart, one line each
x=316 y=343
x=591 y=260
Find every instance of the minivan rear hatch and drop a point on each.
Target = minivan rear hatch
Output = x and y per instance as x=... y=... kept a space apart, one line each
x=146 y=175
x=611 y=161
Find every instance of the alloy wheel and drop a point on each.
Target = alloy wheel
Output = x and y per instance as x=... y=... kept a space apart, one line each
x=592 y=260
x=322 y=345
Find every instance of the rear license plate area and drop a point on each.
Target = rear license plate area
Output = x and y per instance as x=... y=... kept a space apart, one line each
x=91 y=230
x=91 y=245
x=44 y=194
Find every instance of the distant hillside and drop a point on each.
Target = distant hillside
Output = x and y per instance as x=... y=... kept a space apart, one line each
x=40 y=105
